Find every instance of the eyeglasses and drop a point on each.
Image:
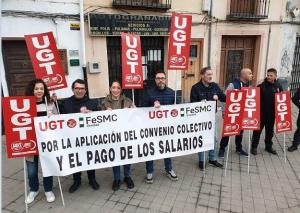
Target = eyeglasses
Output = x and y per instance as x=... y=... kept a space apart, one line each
x=161 y=78
x=79 y=88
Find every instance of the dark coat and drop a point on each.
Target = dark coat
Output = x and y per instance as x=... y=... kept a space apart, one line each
x=73 y=105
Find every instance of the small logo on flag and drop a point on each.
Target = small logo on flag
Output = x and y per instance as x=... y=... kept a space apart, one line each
x=81 y=122
x=182 y=112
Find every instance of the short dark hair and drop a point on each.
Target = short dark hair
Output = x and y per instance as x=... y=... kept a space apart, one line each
x=273 y=70
x=115 y=81
x=159 y=71
x=204 y=69
x=30 y=89
x=79 y=81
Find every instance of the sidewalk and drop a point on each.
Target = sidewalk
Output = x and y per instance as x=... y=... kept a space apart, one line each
x=271 y=186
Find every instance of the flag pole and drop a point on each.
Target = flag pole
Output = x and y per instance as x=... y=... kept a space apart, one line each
x=249 y=154
x=25 y=185
x=227 y=155
x=284 y=149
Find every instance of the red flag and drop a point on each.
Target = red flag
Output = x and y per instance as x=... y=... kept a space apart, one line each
x=179 y=42
x=132 y=74
x=45 y=60
x=283 y=115
x=251 y=115
x=235 y=101
x=19 y=128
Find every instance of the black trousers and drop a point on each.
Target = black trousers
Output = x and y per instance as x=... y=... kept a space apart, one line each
x=238 y=141
x=266 y=122
x=296 y=140
x=90 y=173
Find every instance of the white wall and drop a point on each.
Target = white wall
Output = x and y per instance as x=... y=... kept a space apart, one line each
x=17 y=27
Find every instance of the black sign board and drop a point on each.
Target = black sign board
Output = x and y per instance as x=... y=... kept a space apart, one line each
x=114 y=24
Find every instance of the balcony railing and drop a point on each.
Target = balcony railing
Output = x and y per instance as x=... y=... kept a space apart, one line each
x=143 y=4
x=249 y=9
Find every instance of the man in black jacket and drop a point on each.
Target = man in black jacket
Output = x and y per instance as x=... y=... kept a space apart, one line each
x=207 y=90
x=80 y=102
x=268 y=88
x=156 y=96
x=296 y=140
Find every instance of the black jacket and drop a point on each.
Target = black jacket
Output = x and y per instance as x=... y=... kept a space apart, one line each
x=296 y=98
x=73 y=105
x=201 y=92
x=165 y=96
x=267 y=97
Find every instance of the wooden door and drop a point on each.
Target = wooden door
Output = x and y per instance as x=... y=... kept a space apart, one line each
x=236 y=53
x=18 y=68
x=192 y=75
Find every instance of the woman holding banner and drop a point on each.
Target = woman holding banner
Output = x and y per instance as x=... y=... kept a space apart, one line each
x=45 y=107
x=116 y=100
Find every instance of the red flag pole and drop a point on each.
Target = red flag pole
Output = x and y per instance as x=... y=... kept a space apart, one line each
x=227 y=155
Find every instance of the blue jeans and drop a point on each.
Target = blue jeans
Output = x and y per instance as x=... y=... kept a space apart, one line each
x=32 y=172
x=168 y=165
x=212 y=154
x=117 y=171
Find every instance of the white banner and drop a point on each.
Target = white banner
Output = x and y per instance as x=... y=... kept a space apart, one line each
x=76 y=142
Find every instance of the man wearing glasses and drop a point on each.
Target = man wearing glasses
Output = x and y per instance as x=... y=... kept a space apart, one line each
x=156 y=96
x=80 y=102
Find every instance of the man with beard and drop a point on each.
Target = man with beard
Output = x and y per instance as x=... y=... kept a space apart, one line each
x=156 y=96
x=268 y=88
x=238 y=83
x=80 y=102
x=207 y=90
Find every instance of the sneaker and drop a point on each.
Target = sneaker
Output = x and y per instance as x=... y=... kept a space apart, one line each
x=253 y=151
x=242 y=152
x=74 y=187
x=221 y=153
x=31 y=196
x=116 y=185
x=50 y=197
x=292 y=148
x=171 y=174
x=271 y=150
x=149 y=178
x=201 y=165
x=215 y=163
x=94 y=184
x=129 y=182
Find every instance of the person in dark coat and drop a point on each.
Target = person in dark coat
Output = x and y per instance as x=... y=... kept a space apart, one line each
x=156 y=96
x=238 y=83
x=268 y=88
x=207 y=90
x=296 y=140
x=80 y=102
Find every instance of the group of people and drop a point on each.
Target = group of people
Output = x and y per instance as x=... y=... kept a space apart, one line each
x=160 y=94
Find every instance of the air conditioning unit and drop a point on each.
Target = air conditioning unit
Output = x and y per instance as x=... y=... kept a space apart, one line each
x=295 y=11
x=94 y=67
x=206 y=5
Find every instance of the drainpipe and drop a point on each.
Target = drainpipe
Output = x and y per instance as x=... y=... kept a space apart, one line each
x=209 y=33
x=268 y=47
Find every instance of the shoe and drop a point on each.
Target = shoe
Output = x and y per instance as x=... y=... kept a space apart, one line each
x=242 y=152
x=215 y=163
x=171 y=174
x=201 y=165
x=116 y=185
x=31 y=196
x=253 y=151
x=129 y=182
x=50 y=197
x=74 y=187
x=292 y=148
x=221 y=153
x=271 y=150
x=94 y=184
x=149 y=178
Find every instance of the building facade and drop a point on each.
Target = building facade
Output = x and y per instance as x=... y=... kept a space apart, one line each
x=226 y=34
x=31 y=17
